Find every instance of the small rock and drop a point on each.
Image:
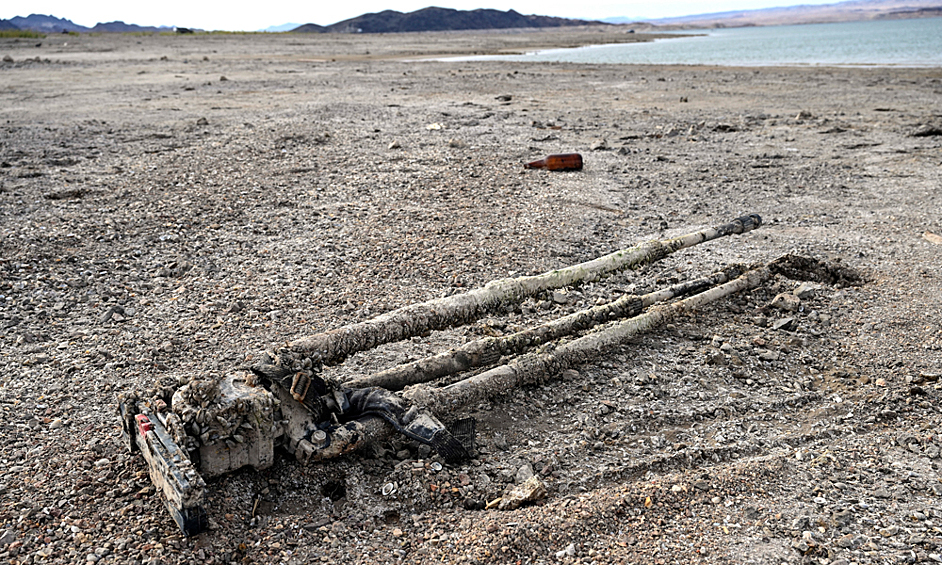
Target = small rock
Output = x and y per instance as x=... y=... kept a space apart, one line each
x=851 y=541
x=570 y=551
x=456 y=143
x=530 y=491
x=524 y=473
x=717 y=358
x=202 y=122
x=767 y=355
x=7 y=537
x=560 y=297
x=806 y=290
x=842 y=518
x=103 y=462
x=504 y=97
x=570 y=375
x=55 y=424
x=394 y=145
x=7 y=59
x=925 y=130
x=784 y=324
x=787 y=302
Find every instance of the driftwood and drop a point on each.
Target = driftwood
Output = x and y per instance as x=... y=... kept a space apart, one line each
x=533 y=368
x=489 y=350
x=332 y=347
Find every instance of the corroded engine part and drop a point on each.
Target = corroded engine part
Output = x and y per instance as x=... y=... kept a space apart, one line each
x=234 y=422
x=169 y=467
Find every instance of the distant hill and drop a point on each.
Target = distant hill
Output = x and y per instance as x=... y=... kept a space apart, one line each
x=52 y=24
x=438 y=19
x=47 y=24
x=121 y=27
x=279 y=28
x=853 y=10
x=310 y=28
x=7 y=24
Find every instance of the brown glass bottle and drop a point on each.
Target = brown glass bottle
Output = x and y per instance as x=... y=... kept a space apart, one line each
x=562 y=162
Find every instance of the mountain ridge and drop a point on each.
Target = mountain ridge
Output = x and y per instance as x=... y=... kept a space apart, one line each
x=51 y=24
x=434 y=18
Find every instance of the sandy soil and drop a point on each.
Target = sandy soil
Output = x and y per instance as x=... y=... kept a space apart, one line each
x=171 y=206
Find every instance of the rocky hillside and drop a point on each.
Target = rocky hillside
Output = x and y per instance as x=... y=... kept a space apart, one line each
x=46 y=24
x=52 y=24
x=438 y=19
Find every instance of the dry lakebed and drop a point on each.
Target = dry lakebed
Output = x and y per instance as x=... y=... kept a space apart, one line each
x=171 y=206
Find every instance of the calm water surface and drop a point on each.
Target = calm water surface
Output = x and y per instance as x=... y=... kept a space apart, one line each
x=905 y=43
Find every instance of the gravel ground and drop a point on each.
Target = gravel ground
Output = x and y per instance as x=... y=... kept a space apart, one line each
x=172 y=206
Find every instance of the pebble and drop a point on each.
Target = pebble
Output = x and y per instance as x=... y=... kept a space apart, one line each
x=524 y=473
x=787 y=302
x=889 y=531
x=569 y=551
x=7 y=537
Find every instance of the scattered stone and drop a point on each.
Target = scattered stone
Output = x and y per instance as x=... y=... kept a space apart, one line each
x=806 y=290
x=767 y=355
x=786 y=301
x=7 y=537
x=530 y=491
x=568 y=552
x=524 y=474
x=925 y=130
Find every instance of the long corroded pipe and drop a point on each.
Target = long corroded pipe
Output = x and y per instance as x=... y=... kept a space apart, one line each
x=332 y=347
x=488 y=350
x=533 y=368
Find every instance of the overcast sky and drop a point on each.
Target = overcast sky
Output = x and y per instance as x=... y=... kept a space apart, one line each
x=243 y=15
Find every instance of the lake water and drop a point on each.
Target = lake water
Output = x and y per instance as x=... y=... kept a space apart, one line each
x=885 y=43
